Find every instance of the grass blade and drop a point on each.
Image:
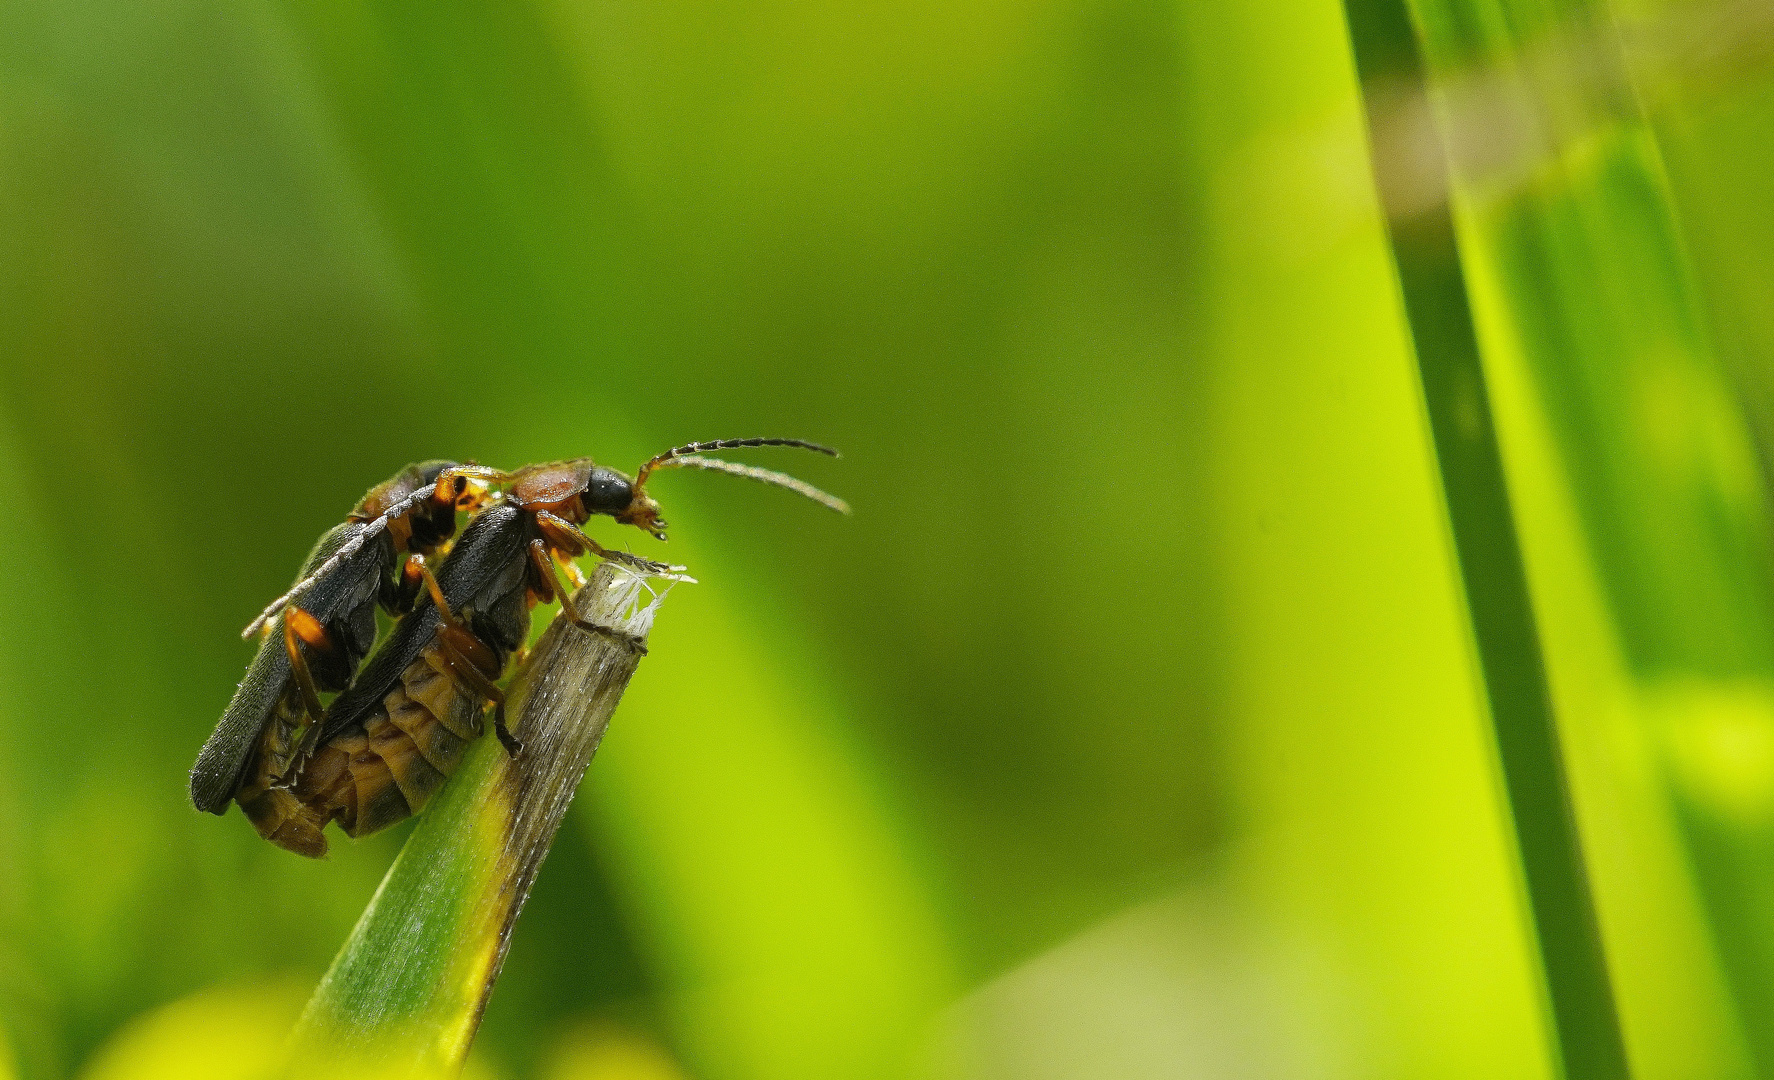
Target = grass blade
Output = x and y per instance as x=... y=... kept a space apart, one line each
x=1437 y=307
x=1572 y=236
x=406 y=993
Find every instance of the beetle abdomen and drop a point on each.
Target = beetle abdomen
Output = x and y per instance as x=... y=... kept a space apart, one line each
x=387 y=768
x=274 y=812
x=281 y=818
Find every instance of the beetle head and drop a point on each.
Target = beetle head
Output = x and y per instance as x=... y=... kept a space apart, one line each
x=643 y=513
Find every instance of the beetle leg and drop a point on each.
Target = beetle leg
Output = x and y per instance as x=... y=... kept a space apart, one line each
x=567 y=536
x=544 y=564
x=466 y=672
x=470 y=676
x=464 y=669
x=398 y=594
x=300 y=628
x=436 y=591
x=506 y=739
x=478 y=472
x=563 y=535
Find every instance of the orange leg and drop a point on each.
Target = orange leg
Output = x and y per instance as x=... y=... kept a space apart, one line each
x=398 y=596
x=300 y=628
x=446 y=487
x=544 y=564
x=436 y=590
x=566 y=536
x=469 y=676
x=536 y=554
x=575 y=577
x=456 y=639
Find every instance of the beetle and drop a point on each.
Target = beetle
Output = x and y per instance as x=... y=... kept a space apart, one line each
x=315 y=644
x=390 y=740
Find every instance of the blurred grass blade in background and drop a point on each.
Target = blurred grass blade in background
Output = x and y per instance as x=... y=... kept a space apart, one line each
x=406 y=994
x=1440 y=316
x=1583 y=293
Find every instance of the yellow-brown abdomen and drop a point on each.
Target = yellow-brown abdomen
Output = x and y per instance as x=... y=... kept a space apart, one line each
x=277 y=814
x=387 y=768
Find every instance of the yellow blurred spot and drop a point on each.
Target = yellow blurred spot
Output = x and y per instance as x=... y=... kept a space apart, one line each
x=1720 y=738
x=233 y=1031
x=608 y=1052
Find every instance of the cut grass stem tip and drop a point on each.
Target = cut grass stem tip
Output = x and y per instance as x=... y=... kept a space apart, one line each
x=405 y=995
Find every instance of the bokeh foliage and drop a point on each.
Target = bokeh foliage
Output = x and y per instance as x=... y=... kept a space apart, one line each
x=1130 y=728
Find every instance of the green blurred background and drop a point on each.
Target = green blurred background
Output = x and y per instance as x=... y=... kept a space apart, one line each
x=1129 y=729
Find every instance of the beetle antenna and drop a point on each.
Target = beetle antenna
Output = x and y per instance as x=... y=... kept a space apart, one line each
x=678 y=452
x=348 y=549
x=766 y=476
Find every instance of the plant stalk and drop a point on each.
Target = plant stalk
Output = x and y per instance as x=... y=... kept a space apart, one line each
x=405 y=995
x=1426 y=251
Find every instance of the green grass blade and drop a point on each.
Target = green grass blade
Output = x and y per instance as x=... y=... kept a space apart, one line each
x=1436 y=303
x=1571 y=229
x=406 y=993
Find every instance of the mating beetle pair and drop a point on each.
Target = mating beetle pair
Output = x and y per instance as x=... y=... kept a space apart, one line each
x=398 y=729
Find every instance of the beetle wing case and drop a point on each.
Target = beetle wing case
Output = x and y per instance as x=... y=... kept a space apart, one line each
x=485 y=563
x=224 y=757
x=344 y=603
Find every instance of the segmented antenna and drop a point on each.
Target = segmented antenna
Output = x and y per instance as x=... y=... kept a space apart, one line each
x=766 y=476
x=677 y=452
x=349 y=549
